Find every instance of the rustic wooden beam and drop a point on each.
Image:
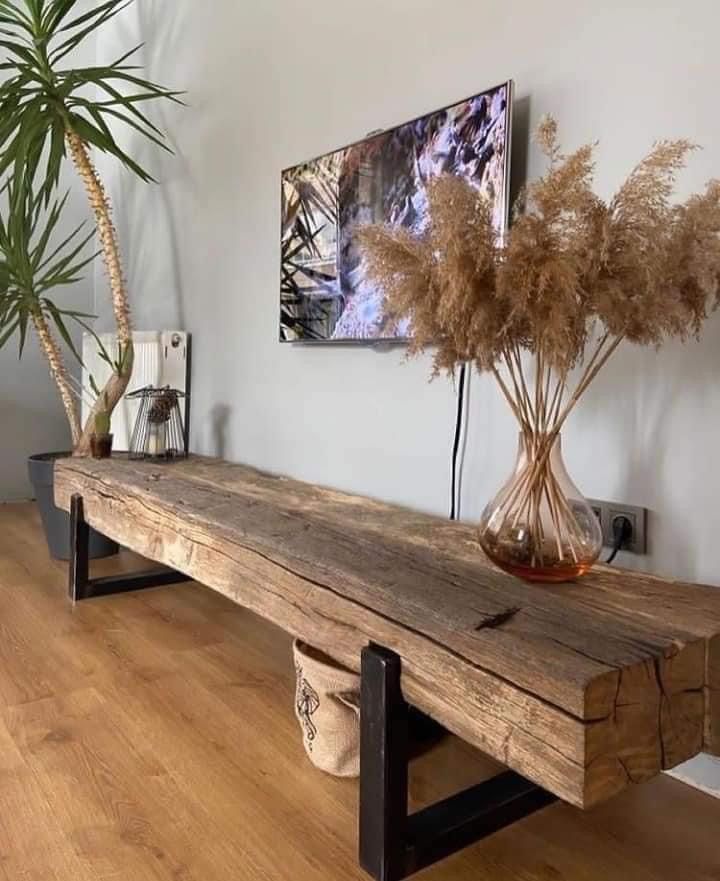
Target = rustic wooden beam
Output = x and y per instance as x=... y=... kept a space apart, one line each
x=580 y=696
x=640 y=596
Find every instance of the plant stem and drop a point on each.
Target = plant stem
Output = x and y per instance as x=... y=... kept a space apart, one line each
x=512 y=403
x=594 y=367
x=538 y=389
x=521 y=374
x=58 y=371
x=534 y=498
x=520 y=407
x=100 y=204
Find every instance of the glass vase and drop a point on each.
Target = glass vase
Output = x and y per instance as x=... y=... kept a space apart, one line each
x=539 y=526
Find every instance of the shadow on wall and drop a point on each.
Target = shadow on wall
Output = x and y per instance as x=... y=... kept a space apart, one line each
x=653 y=417
x=521 y=137
x=220 y=417
x=26 y=430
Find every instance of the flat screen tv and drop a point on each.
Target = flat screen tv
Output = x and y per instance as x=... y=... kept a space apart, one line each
x=324 y=294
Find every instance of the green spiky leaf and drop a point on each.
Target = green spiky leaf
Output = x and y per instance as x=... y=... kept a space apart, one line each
x=31 y=265
x=42 y=101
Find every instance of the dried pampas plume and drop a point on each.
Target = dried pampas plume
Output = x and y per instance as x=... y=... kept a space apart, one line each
x=573 y=278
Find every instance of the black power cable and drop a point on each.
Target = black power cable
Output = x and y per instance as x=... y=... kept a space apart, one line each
x=454 y=506
x=622 y=535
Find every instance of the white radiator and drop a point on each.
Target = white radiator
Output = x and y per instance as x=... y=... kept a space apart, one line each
x=161 y=358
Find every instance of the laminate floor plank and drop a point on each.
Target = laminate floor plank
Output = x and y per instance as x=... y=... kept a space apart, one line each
x=151 y=737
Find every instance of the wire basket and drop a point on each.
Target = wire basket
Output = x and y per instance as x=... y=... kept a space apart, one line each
x=158 y=433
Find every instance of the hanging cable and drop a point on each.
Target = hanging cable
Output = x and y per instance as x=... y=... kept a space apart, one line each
x=622 y=535
x=459 y=420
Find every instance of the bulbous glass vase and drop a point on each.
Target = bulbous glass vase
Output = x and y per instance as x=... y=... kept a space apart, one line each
x=539 y=526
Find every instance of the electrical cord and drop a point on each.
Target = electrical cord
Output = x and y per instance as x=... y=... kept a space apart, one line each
x=454 y=502
x=622 y=535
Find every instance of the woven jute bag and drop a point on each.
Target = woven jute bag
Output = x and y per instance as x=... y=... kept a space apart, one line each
x=327 y=706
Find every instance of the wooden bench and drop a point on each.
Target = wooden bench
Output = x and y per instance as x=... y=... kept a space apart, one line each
x=580 y=689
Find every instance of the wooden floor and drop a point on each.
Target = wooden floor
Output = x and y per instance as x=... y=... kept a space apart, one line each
x=150 y=737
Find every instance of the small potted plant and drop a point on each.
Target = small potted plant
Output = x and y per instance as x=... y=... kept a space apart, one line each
x=101 y=440
x=53 y=111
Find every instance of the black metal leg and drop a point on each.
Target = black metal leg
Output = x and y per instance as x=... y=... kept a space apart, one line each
x=79 y=539
x=394 y=845
x=82 y=587
x=383 y=766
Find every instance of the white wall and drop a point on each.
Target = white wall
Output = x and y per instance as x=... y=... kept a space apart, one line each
x=272 y=83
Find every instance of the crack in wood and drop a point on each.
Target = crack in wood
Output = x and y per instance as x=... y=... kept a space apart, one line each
x=661 y=706
x=499 y=619
x=584 y=654
x=626 y=770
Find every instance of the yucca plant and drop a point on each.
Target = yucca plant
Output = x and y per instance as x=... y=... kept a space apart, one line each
x=51 y=111
x=30 y=268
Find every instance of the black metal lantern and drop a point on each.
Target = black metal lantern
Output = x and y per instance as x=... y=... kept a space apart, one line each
x=159 y=432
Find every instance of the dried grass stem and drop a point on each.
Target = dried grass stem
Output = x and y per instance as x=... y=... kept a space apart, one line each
x=526 y=307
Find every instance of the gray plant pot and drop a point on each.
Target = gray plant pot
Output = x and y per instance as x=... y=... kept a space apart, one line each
x=56 y=522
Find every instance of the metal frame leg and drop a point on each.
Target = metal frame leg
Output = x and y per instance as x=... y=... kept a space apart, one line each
x=394 y=845
x=383 y=766
x=82 y=587
x=79 y=572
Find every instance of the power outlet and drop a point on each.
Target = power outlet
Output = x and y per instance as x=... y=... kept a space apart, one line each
x=606 y=512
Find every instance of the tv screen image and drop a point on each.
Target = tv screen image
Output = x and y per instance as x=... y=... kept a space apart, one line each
x=324 y=295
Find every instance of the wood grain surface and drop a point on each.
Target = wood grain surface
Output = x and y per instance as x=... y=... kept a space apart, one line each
x=578 y=688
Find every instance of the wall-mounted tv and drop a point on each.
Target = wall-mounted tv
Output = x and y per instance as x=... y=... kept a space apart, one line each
x=324 y=295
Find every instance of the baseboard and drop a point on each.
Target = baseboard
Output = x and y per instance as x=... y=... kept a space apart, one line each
x=702 y=773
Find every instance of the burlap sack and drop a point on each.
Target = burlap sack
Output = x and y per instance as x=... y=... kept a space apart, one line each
x=327 y=706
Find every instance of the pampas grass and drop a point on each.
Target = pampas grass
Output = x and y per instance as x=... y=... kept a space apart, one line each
x=574 y=277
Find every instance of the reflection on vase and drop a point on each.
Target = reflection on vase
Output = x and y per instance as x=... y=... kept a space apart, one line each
x=539 y=526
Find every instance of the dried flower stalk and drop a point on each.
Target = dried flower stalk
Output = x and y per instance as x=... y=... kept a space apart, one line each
x=574 y=277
